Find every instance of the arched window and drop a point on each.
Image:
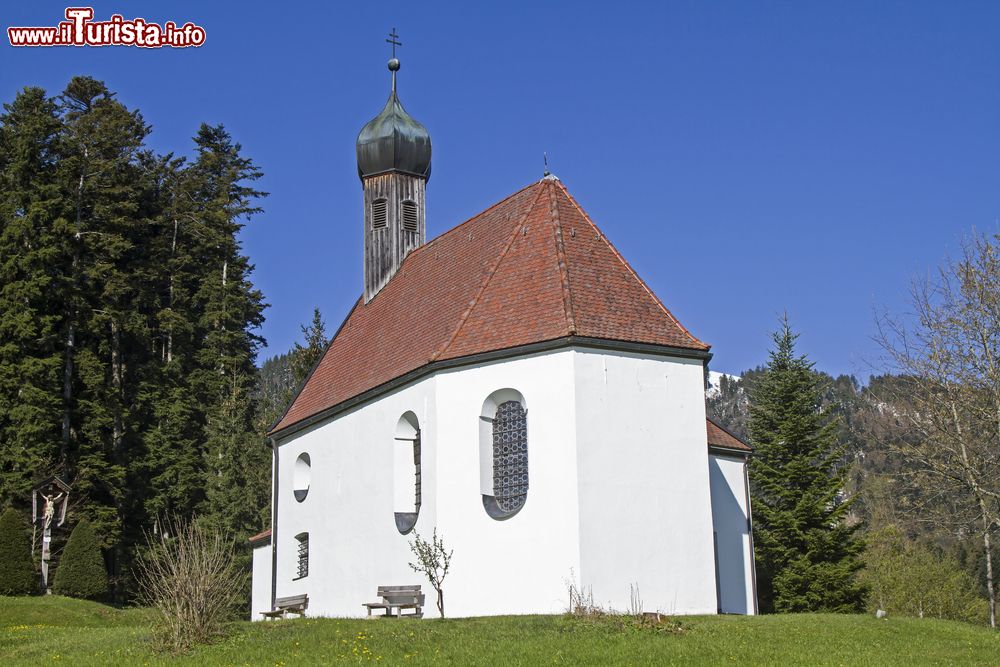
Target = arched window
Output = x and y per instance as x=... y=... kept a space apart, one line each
x=503 y=451
x=301 y=474
x=303 y=564
x=406 y=473
x=380 y=213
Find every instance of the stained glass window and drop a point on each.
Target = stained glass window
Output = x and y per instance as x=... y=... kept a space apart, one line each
x=510 y=456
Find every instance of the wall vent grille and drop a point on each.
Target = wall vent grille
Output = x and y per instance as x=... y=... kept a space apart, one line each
x=410 y=216
x=380 y=214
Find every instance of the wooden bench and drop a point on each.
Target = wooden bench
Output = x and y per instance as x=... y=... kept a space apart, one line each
x=398 y=598
x=295 y=604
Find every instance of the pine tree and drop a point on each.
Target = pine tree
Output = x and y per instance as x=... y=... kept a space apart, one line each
x=304 y=357
x=239 y=465
x=807 y=555
x=128 y=320
x=103 y=170
x=17 y=570
x=236 y=459
x=275 y=385
x=81 y=572
x=233 y=309
x=32 y=259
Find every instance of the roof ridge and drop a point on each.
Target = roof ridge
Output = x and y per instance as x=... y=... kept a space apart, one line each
x=629 y=267
x=470 y=219
x=561 y=260
x=489 y=276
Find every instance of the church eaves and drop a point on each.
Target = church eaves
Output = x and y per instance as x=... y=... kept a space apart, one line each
x=720 y=438
x=529 y=271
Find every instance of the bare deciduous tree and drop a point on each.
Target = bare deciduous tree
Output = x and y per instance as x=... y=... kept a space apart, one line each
x=949 y=356
x=433 y=561
x=189 y=576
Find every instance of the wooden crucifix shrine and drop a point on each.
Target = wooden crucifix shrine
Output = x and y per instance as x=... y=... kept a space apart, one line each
x=49 y=499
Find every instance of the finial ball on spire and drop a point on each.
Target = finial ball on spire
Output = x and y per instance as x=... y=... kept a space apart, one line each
x=394 y=65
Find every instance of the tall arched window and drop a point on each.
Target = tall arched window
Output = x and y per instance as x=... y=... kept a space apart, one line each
x=301 y=475
x=406 y=487
x=503 y=450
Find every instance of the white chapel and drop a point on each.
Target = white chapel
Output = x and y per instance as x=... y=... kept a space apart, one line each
x=515 y=385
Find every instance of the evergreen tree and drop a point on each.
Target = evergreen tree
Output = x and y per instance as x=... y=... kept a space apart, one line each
x=238 y=487
x=281 y=375
x=32 y=257
x=237 y=462
x=305 y=357
x=174 y=442
x=276 y=384
x=81 y=572
x=807 y=554
x=233 y=310
x=128 y=320
x=102 y=166
x=17 y=569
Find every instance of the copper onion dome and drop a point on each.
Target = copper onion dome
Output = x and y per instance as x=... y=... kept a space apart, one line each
x=392 y=141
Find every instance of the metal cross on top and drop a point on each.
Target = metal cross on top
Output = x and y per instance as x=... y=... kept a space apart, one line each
x=393 y=37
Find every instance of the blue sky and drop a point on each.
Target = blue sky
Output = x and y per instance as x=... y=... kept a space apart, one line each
x=748 y=158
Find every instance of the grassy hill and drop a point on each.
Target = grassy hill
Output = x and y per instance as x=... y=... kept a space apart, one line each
x=60 y=630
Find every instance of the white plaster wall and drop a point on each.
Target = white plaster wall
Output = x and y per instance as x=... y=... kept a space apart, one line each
x=729 y=515
x=348 y=513
x=260 y=591
x=518 y=565
x=618 y=491
x=645 y=505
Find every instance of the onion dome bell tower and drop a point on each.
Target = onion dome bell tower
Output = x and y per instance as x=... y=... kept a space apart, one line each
x=394 y=163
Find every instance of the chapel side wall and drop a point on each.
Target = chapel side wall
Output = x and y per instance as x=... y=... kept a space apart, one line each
x=645 y=503
x=732 y=534
x=353 y=541
x=260 y=589
x=518 y=565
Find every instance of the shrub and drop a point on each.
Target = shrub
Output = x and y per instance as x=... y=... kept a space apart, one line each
x=192 y=580
x=81 y=572
x=17 y=570
x=911 y=579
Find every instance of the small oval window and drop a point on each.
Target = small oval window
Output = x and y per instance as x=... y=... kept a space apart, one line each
x=301 y=474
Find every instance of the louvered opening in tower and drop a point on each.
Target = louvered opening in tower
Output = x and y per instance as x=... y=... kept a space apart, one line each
x=380 y=213
x=410 y=216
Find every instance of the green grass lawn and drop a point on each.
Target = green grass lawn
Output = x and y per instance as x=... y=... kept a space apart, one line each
x=59 y=630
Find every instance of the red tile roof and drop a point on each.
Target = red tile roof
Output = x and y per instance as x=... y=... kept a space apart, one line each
x=261 y=537
x=720 y=437
x=529 y=269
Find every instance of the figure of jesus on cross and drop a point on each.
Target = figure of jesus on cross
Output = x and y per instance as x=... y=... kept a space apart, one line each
x=50 y=507
x=48 y=510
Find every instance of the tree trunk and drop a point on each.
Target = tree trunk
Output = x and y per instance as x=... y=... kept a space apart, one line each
x=117 y=372
x=170 y=326
x=440 y=602
x=989 y=574
x=67 y=386
x=71 y=315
